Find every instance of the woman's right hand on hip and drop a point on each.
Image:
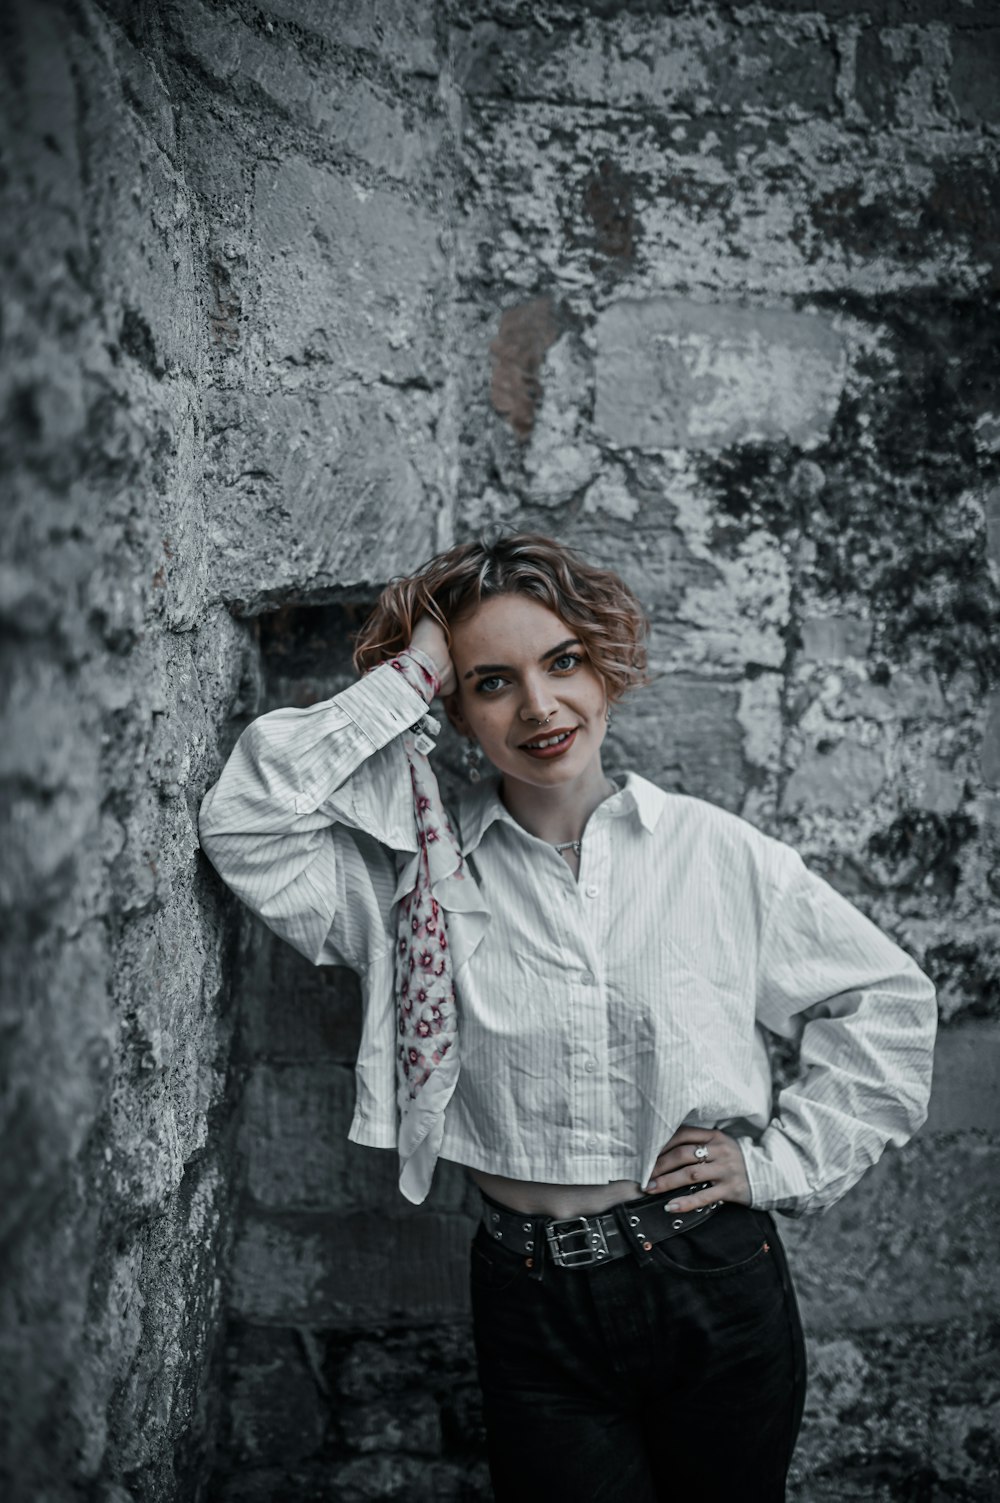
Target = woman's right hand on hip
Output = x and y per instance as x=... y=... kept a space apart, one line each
x=429 y=637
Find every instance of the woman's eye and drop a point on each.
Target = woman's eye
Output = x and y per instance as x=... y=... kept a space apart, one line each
x=567 y=660
x=483 y=685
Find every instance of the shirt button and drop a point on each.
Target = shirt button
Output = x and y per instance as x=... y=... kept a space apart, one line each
x=591 y=1143
x=588 y=978
x=590 y=1066
x=592 y=890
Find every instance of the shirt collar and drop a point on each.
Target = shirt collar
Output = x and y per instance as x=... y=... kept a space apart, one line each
x=480 y=806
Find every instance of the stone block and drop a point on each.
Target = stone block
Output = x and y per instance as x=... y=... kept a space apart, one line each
x=526 y=332
x=301 y=1011
x=900 y=74
x=382 y=1366
x=673 y=374
x=975 y=69
x=966 y=1093
x=672 y=63
x=405 y=1423
x=686 y=736
x=359 y=114
x=275 y=1408
x=293 y=1132
x=910 y=1244
x=351 y=1270
x=351 y=280
x=991 y=743
x=305 y=484
x=906 y=697
x=293 y=1135
x=991 y=506
x=732 y=205
x=400 y=32
x=834 y=638
x=558 y=461
x=846 y=777
x=145 y=274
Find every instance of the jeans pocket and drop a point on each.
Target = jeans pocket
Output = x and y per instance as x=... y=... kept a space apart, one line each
x=734 y=1240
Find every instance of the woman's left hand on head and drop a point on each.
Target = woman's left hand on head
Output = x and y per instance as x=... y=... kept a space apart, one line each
x=722 y=1168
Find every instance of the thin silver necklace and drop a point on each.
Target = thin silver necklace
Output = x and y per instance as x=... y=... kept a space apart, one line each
x=575 y=845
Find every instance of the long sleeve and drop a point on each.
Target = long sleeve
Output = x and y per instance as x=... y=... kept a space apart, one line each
x=866 y=1048
x=304 y=819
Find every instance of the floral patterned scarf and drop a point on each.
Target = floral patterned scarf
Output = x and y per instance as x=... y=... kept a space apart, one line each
x=427 y=1020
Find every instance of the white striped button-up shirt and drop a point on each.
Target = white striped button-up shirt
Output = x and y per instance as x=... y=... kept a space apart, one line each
x=596 y=1015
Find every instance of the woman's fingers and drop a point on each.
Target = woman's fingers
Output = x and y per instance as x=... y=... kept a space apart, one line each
x=722 y=1169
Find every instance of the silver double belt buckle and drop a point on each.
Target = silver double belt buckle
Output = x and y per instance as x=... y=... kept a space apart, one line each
x=588 y=1231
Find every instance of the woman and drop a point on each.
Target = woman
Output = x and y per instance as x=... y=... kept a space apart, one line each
x=567 y=981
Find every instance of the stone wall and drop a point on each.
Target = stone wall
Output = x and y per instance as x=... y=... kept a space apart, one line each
x=225 y=238
x=737 y=269
x=295 y=293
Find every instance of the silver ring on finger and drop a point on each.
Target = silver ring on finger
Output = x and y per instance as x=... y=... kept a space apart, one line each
x=701 y=1152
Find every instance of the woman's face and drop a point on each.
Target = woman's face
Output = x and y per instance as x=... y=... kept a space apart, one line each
x=518 y=664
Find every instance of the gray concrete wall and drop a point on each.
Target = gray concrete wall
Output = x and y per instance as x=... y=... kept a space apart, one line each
x=295 y=293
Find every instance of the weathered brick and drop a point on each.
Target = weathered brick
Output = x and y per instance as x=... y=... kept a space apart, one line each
x=349 y=278
x=364 y=118
x=674 y=375
x=301 y=1012
x=264 y=456
x=525 y=333
x=275 y=1411
x=349 y=1270
x=792 y=210
x=295 y=1118
x=966 y=1093
x=703 y=752
x=900 y=74
x=845 y=777
x=975 y=68
x=835 y=638
x=406 y=1422
x=667 y=62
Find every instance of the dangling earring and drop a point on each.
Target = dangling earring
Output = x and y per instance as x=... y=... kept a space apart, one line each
x=607 y=712
x=473 y=760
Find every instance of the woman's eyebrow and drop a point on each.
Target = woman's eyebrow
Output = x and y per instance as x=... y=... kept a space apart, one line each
x=505 y=667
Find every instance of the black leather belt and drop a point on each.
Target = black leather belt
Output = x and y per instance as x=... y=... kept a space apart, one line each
x=633 y=1226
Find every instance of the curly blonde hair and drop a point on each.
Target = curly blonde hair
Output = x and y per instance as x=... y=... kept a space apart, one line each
x=602 y=610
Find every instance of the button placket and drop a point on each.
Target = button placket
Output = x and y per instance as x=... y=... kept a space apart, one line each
x=590 y=1088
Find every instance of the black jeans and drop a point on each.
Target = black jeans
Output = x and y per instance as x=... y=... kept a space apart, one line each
x=681 y=1378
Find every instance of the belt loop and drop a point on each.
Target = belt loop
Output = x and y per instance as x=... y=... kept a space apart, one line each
x=628 y=1233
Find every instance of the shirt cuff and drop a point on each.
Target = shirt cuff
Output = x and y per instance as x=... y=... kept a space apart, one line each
x=371 y=1133
x=382 y=705
x=774 y=1173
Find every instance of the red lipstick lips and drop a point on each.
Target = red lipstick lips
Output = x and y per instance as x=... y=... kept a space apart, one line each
x=557 y=747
